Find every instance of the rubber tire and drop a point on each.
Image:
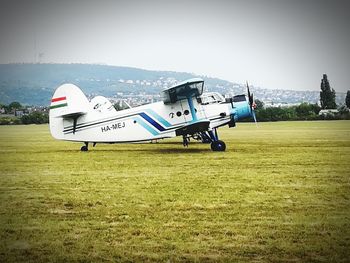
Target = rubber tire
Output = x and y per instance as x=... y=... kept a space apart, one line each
x=84 y=148
x=218 y=146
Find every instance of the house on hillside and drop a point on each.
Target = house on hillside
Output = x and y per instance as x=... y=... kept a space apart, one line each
x=328 y=112
x=19 y=113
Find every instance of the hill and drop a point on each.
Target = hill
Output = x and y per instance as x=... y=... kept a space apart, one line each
x=34 y=84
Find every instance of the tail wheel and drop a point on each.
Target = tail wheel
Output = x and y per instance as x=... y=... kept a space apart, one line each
x=218 y=146
x=84 y=148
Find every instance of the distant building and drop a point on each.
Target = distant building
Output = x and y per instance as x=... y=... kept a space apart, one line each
x=326 y=112
x=19 y=113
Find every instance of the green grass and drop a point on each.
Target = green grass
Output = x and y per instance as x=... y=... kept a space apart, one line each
x=280 y=193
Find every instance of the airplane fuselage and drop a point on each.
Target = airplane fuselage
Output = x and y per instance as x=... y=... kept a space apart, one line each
x=148 y=122
x=185 y=111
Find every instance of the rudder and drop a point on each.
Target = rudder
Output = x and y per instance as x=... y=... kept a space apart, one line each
x=67 y=103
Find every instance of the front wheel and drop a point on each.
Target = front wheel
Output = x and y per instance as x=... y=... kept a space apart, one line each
x=218 y=146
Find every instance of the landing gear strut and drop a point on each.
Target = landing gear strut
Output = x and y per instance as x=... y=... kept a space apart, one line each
x=85 y=148
x=186 y=141
x=205 y=138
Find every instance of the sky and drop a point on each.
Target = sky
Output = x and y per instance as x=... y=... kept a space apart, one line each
x=274 y=44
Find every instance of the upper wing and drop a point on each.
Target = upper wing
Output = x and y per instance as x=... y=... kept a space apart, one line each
x=186 y=89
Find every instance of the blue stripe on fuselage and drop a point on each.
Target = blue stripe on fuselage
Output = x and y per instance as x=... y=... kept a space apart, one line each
x=151 y=121
x=158 y=118
x=146 y=126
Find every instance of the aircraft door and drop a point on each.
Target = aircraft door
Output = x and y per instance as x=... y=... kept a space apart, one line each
x=176 y=113
x=199 y=111
x=184 y=114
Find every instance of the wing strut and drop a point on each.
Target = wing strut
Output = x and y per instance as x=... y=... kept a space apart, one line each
x=75 y=123
x=192 y=109
x=75 y=117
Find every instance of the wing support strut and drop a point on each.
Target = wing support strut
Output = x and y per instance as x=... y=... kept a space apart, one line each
x=75 y=123
x=75 y=117
x=192 y=109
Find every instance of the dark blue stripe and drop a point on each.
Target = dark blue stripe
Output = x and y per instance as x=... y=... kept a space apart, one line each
x=151 y=121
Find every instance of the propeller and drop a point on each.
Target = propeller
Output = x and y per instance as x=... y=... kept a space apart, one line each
x=252 y=104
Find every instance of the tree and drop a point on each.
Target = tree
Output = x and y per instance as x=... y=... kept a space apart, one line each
x=15 y=105
x=35 y=117
x=307 y=111
x=327 y=95
x=347 y=99
x=343 y=110
x=259 y=104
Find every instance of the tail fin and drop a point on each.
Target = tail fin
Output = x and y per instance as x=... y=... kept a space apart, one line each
x=67 y=104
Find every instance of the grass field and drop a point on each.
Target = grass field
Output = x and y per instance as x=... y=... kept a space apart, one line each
x=280 y=193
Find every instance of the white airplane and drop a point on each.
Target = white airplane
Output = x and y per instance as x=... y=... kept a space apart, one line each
x=185 y=111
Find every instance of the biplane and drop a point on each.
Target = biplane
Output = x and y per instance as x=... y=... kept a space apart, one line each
x=185 y=111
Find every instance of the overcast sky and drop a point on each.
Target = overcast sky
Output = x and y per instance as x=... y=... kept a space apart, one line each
x=272 y=44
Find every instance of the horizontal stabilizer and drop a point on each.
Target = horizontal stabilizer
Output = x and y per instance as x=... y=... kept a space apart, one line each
x=73 y=115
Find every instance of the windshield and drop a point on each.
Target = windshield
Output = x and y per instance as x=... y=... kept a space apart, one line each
x=183 y=91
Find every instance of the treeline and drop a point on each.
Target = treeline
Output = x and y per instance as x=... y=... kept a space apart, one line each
x=31 y=118
x=304 y=111
x=15 y=113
